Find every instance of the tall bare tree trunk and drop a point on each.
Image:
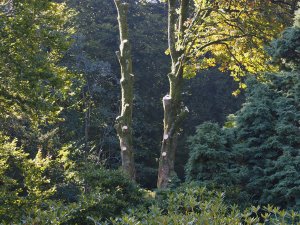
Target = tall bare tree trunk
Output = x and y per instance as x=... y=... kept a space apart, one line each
x=124 y=120
x=174 y=111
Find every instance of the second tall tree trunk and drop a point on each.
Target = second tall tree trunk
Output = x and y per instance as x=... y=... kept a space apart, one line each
x=174 y=111
x=124 y=120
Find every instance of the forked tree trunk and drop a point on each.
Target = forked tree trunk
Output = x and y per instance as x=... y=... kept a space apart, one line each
x=174 y=111
x=124 y=120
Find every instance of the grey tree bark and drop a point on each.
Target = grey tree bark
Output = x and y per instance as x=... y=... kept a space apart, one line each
x=124 y=120
x=174 y=111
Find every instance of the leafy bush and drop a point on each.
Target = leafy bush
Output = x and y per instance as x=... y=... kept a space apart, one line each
x=105 y=194
x=28 y=197
x=192 y=204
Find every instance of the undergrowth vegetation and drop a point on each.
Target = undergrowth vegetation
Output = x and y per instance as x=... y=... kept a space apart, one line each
x=192 y=204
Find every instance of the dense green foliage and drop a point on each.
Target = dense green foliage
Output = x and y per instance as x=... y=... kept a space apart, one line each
x=267 y=142
x=285 y=50
x=257 y=152
x=23 y=184
x=34 y=35
x=59 y=96
x=191 y=204
x=28 y=192
x=209 y=154
x=105 y=194
x=35 y=88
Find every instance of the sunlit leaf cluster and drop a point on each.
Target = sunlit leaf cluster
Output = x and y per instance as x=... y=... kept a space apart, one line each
x=230 y=34
x=23 y=181
x=34 y=35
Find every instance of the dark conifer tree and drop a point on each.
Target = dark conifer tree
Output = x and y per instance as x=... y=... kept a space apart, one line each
x=264 y=138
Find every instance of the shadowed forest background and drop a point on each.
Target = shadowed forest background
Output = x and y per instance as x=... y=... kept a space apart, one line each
x=60 y=163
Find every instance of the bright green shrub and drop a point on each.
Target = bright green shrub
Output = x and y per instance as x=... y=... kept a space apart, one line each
x=23 y=184
x=28 y=197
